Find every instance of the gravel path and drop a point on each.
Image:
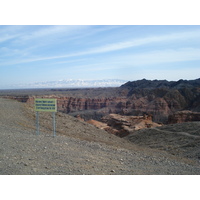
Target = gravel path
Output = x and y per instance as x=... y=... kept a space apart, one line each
x=23 y=152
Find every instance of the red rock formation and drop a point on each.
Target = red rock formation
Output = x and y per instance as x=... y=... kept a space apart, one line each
x=70 y=104
x=104 y=126
x=124 y=125
x=159 y=108
x=184 y=116
x=158 y=98
x=136 y=105
x=98 y=124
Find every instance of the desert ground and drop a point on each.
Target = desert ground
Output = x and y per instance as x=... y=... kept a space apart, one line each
x=80 y=148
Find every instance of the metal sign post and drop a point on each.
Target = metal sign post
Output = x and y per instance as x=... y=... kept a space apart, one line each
x=37 y=124
x=54 y=124
x=46 y=105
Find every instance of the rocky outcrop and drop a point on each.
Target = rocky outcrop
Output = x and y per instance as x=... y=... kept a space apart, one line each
x=70 y=104
x=184 y=116
x=98 y=124
x=124 y=125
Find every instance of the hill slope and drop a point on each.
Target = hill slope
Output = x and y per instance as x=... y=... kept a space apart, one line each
x=23 y=152
x=177 y=139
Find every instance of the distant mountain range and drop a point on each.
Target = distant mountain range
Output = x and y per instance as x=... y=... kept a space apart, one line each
x=153 y=84
x=76 y=83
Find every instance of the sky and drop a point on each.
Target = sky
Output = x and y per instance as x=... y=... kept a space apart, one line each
x=39 y=53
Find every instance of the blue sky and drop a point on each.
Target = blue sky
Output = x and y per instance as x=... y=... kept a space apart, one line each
x=32 y=53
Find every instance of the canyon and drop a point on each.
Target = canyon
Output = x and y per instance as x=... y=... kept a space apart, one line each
x=142 y=127
x=160 y=99
x=124 y=125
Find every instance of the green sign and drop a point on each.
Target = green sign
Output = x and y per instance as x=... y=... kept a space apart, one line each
x=45 y=105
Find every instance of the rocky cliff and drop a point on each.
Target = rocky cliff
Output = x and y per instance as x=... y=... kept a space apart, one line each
x=184 y=116
x=163 y=98
x=124 y=125
x=159 y=102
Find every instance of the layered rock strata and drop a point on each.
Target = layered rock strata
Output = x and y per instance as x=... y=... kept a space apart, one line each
x=158 y=98
x=160 y=106
x=184 y=116
x=124 y=125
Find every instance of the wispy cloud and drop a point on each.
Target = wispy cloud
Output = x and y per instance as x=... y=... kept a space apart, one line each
x=120 y=45
x=7 y=37
x=54 y=31
x=30 y=39
x=145 y=60
x=163 y=56
x=146 y=40
x=10 y=32
x=149 y=57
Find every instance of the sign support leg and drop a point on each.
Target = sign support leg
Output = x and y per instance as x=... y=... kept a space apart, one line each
x=54 y=124
x=37 y=124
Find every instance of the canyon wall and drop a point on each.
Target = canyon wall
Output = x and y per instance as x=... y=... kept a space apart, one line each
x=184 y=116
x=157 y=98
x=159 y=104
x=158 y=107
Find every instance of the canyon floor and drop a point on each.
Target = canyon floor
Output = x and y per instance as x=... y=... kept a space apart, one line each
x=79 y=148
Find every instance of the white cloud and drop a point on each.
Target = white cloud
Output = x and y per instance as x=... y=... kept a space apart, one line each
x=10 y=32
x=147 y=59
x=4 y=38
x=144 y=41
x=160 y=56
x=163 y=56
x=133 y=43
x=53 y=31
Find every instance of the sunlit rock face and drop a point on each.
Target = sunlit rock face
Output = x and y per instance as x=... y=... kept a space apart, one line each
x=160 y=99
x=184 y=116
